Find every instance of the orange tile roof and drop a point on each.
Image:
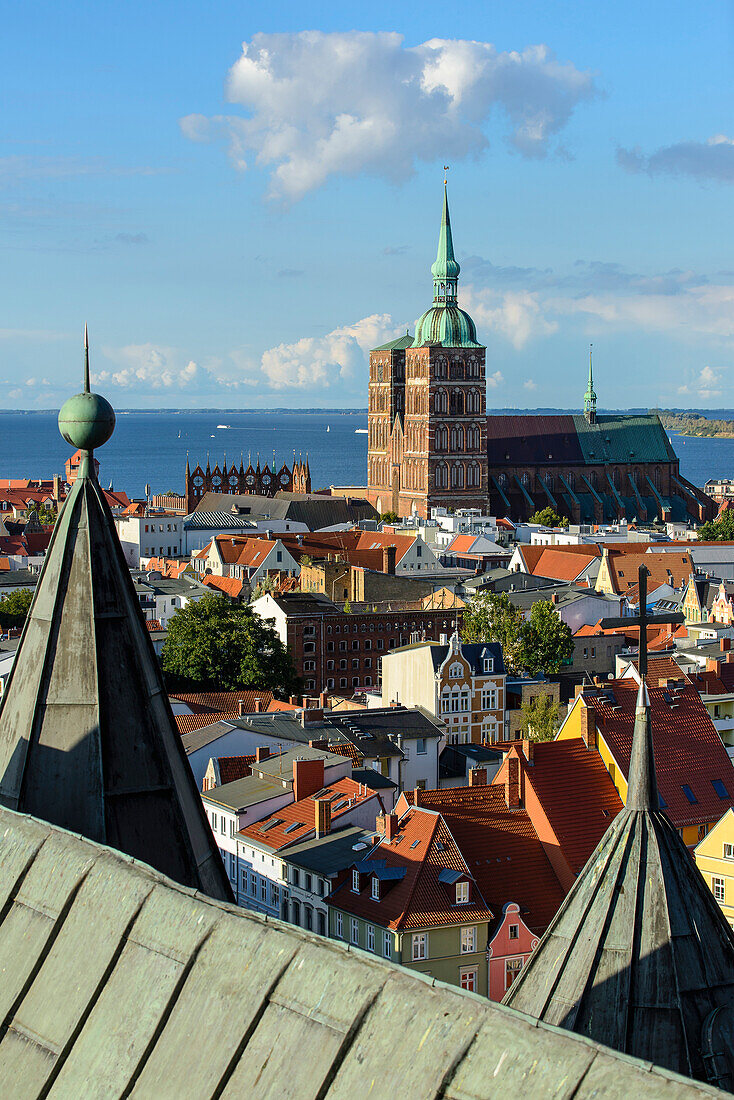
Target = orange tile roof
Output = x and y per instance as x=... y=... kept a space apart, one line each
x=423 y=847
x=560 y=563
x=187 y=723
x=224 y=700
x=623 y=570
x=153 y=624
x=501 y=849
x=4 y=564
x=461 y=544
x=577 y=795
x=280 y=832
x=688 y=750
x=280 y=704
x=230 y=586
x=720 y=682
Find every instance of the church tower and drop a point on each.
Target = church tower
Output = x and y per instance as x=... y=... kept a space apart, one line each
x=590 y=396
x=427 y=405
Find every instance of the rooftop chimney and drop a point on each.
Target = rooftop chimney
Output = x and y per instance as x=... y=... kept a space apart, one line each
x=322 y=816
x=311 y=716
x=391 y=827
x=477 y=777
x=725 y=644
x=389 y=557
x=528 y=748
x=588 y=726
x=258 y=705
x=262 y=752
x=512 y=783
x=308 y=778
x=323 y=700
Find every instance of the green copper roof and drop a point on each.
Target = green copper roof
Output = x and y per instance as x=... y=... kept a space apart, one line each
x=400 y=344
x=623 y=439
x=445 y=324
x=590 y=395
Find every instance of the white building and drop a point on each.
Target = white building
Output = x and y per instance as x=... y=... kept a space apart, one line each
x=156 y=535
x=200 y=528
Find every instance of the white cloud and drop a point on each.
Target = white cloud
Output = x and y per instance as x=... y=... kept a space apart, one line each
x=530 y=385
x=704 y=160
x=706 y=385
x=517 y=315
x=696 y=309
x=319 y=105
x=152 y=367
x=495 y=380
x=327 y=360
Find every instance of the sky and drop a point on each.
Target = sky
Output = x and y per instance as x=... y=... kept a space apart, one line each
x=241 y=200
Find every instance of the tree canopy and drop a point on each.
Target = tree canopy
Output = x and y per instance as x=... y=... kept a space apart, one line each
x=548 y=517
x=490 y=617
x=14 y=607
x=547 y=642
x=718 y=530
x=539 y=719
x=541 y=644
x=213 y=644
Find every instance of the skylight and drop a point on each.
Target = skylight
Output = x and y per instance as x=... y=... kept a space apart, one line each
x=293 y=826
x=415 y=843
x=271 y=824
x=688 y=793
x=719 y=787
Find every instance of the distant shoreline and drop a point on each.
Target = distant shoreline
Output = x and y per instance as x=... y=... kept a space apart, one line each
x=692 y=424
x=676 y=416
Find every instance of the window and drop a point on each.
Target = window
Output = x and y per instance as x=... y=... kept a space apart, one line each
x=322 y=923
x=468 y=979
x=370 y=937
x=253 y=885
x=244 y=882
x=456 y=672
x=489 y=698
x=355 y=882
x=729 y=851
x=513 y=932
x=375 y=890
x=296 y=917
x=462 y=893
x=488 y=664
x=354 y=930
x=263 y=889
x=720 y=789
x=223 y=825
x=307 y=885
x=339 y=929
x=468 y=940
x=717 y=885
x=512 y=969
x=688 y=793
x=420 y=746
x=419 y=942
x=387 y=945
x=274 y=895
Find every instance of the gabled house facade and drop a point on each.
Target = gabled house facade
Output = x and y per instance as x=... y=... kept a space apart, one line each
x=715 y=860
x=508 y=950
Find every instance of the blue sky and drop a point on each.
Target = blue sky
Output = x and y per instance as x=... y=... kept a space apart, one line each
x=240 y=209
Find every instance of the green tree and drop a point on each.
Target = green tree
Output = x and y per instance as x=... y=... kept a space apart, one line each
x=490 y=617
x=213 y=644
x=546 y=641
x=389 y=517
x=47 y=517
x=347 y=607
x=718 y=530
x=539 y=719
x=548 y=518
x=14 y=607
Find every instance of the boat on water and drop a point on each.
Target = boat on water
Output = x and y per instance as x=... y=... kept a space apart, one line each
x=224 y=425
x=328 y=428
x=360 y=431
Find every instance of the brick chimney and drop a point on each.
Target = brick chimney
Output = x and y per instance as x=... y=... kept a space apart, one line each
x=512 y=783
x=713 y=664
x=725 y=644
x=554 y=597
x=262 y=752
x=323 y=700
x=528 y=748
x=258 y=705
x=391 y=827
x=311 y=716
x=308 y=778
x=588 y=726
x=477 y=777
x=389 y=557
x=322 y=816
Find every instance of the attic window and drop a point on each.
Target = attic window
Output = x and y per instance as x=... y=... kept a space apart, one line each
x=719 y=787
x=271 y=824
x=688 y=793
x=462 y=893
x=293 y=826
x=621 y=574
x=415 y=843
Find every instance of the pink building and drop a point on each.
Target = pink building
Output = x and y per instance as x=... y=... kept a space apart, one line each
x=508 y=951
x=722 y=609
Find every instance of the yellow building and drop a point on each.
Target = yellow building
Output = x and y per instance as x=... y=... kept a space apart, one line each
x=715 y=860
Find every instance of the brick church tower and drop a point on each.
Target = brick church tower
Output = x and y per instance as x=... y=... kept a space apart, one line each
x=427 y=441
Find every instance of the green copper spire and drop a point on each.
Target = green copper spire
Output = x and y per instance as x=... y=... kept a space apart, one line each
x=444 y=324
x=590 y=395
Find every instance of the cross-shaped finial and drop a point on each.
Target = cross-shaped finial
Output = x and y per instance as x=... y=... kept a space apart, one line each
x=643 y=619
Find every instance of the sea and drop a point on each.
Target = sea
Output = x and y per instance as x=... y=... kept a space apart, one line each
x=151 y=447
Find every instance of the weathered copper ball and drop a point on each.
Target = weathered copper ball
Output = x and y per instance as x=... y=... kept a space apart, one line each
x=86 y=421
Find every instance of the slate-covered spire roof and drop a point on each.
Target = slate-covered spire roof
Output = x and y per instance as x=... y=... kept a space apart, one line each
x=639 y=956
x=590 y=395
x=87 y=738
x=444 y=324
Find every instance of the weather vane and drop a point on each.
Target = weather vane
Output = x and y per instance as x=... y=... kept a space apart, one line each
x=445 y=170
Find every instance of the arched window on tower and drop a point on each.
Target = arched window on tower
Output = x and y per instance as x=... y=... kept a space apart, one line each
x=439 y=402
x=474 y=475
x=442 y=438
x=441 y=476
x=457 y=475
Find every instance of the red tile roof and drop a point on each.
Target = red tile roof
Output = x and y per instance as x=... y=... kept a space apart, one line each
x=230 y=586
x=276 y=831
x=688 y=750
x=234 y=767
x=423 y=847
x=501 y=849
x=187 y=723
x=153 y=624
x=710 y=682
x=341 y=748
x=577 y=795
x=623 y=570
x=224 y=700
x=560 y=563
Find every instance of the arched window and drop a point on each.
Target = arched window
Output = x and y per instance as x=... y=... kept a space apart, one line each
x=571 y=479
x=441 y=476
x=474 y=475
x=456 y=671
x=439 y=402
x=457 y=403
x=525 y=479
x=502 y=481
x=457 y=476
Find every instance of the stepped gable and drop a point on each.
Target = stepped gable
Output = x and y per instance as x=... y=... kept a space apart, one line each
x=639 y=956
x=87 y=736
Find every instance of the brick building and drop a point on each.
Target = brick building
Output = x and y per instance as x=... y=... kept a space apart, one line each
x=427 y=423
x=235 y=480
x=334 y=650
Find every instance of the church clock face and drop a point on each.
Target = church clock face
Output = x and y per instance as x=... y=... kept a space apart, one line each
x=233 y=480
x=266 y=479
x=198 y=480
x=284 y=479
x=216 y=480
x=250 y=479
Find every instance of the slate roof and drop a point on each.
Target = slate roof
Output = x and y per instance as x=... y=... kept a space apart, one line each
x=501 y=849
x=688 y=750
x=158 y=969
x=87 y=737
x=327 y=855
x=315 y=511
x=202 y=521
x=238 y=795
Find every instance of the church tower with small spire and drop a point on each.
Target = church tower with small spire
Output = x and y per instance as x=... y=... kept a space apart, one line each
x=590 y=395
x=427 y=430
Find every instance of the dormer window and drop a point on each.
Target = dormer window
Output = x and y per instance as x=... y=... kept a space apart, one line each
x=355 y=882
x=375 y=891
x=456 y=672
x=462 y=893
x=488 y=664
